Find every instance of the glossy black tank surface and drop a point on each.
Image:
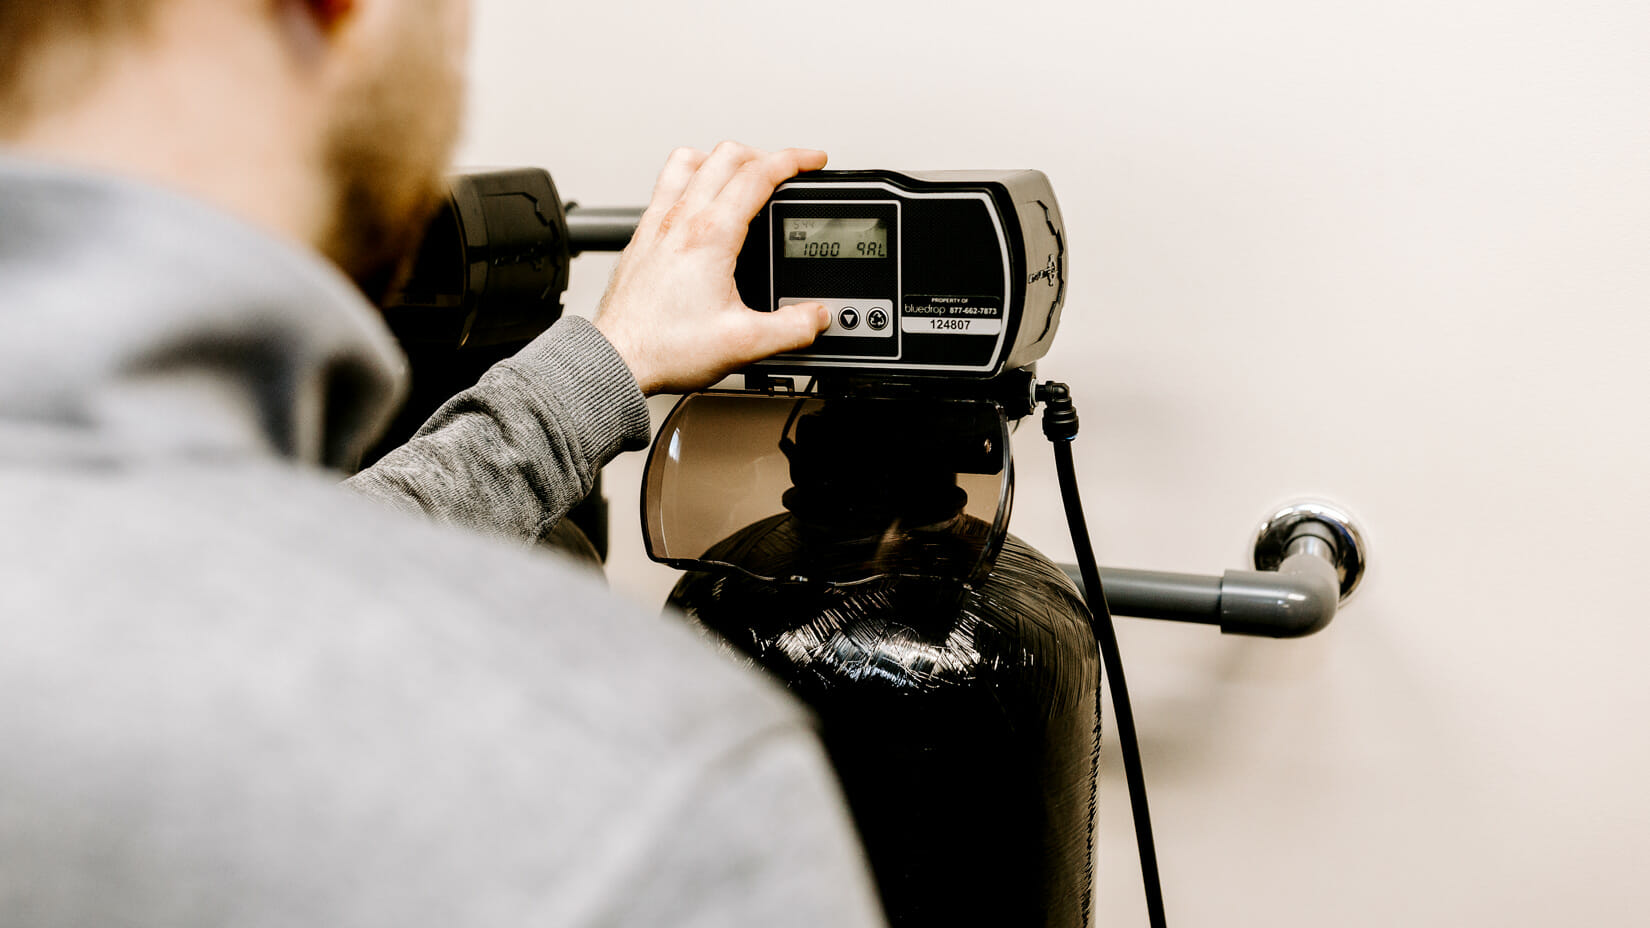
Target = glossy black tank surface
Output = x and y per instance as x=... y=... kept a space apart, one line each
x=962 y=719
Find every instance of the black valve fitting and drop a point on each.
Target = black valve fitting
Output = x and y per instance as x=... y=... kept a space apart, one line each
x=1059 y=412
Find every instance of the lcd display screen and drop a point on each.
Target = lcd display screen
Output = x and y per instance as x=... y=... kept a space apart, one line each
x=837 y=237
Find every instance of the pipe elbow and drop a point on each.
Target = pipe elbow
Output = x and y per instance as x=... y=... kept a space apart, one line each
x=1315 y=598
x=1296 y=600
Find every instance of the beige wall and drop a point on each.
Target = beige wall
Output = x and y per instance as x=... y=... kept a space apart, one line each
x=1388 y=252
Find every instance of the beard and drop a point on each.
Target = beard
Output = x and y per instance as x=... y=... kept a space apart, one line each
x=387 y=150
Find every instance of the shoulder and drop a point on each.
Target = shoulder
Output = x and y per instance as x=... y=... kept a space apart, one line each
x=253 y=683
x=292 y=593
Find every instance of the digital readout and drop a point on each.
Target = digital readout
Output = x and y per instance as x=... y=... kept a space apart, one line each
x=836 y=238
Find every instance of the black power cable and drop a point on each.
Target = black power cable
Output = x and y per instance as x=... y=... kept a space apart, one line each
x=1060 y=425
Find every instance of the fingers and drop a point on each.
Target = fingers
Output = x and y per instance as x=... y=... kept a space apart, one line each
x=751 y=186
x=790 y=328
x=723 y=163
x=717 y=195
x=674 y=178
x=678 y=171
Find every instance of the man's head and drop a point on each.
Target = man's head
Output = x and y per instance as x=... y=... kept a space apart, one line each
x=330 y=120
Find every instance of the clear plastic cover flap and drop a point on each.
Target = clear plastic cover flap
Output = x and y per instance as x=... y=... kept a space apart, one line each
x=832 y=491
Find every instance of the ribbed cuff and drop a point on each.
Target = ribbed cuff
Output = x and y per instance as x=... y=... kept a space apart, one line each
x=584 y=376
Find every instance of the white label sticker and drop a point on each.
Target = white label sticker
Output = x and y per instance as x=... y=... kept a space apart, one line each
x=940 y=325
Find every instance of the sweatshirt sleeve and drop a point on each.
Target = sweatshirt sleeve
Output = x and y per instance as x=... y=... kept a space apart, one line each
x=511 y=455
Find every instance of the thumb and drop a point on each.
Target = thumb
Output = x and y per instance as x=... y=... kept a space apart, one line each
x=789 y=328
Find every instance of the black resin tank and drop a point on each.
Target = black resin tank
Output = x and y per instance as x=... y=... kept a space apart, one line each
x=952 y=668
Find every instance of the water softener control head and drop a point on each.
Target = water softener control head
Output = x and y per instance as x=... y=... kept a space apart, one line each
x=954 y=274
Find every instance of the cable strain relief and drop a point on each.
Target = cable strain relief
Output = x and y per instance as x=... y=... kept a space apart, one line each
x=1059 y=412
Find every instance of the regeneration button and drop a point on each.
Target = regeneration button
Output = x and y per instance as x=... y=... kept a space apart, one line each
x=849 y=318
x=877 y=319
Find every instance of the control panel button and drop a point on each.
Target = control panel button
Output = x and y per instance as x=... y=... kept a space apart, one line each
x=854 y=317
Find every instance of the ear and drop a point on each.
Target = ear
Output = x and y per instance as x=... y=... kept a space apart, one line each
x=330 y=14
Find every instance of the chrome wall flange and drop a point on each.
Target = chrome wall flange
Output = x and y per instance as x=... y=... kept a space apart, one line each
x=1310 y=519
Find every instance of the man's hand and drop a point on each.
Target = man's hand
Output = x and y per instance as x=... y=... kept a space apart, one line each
x=672 y=310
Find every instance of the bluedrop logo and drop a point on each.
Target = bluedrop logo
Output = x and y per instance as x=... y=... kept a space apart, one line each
x=1050 y=273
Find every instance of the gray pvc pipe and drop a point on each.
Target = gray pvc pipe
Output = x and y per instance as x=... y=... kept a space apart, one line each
x=1296 y=600
x=1152 y=594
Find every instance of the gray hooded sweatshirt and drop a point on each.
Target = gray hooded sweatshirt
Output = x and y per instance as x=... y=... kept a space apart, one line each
x=234 y=693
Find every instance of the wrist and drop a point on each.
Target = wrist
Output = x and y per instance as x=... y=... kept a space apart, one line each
x=629 y=352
